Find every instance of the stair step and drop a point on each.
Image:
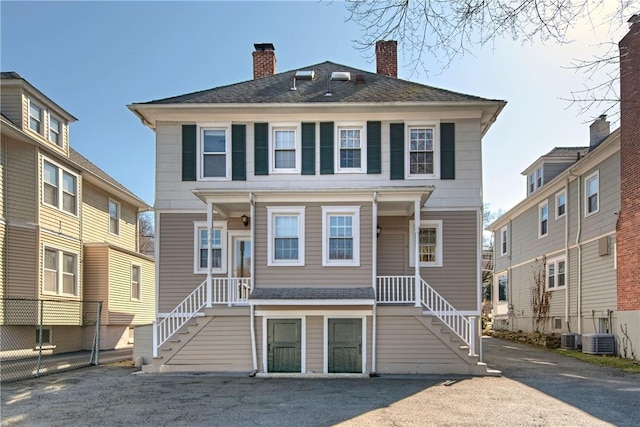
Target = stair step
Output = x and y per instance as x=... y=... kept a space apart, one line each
x=184 y=332
x=158 y=358
x=166 y=349
x=175 y=340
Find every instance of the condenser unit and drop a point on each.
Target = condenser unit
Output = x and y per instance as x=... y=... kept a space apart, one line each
x=598 y=344
x=570 y=340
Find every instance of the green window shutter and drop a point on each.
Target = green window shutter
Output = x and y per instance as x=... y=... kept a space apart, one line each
x=189 y=152
x=447 y=151
x=373 y=147
x=396 y=136
x=308 y=149
x=261 y=149
x=238 y=152
x=326 y=148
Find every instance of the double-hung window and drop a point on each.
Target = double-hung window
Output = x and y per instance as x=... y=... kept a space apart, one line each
x=543 y=219
x=430 y=243
x=135 y=282
x=351 y=148
x=214 y=158
x=504 y=236
x=60 y=272
x=114 y=217
x=341 y=236
x=286 y=236
x=592 y=193
x=556 y=270
x=503 y=287
x=536 y=179
x=55 y=131
x=36 y=117
x=421 y=151
x=218 y=247
x=285 y=148
x=561 y=204
x=63 y=197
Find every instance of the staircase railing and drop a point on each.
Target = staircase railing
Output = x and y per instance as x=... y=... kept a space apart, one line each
x=464 y=327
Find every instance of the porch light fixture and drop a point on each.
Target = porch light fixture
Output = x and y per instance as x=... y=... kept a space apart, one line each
x=378 y=231
x=245 y=220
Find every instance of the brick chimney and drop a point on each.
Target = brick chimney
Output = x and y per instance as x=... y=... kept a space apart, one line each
x=628 y=226
x=599 y=130
x=387 y=58
x=264 y=60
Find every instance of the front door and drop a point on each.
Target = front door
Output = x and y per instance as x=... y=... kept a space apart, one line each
x=240 y=271
x=345 y=345
x=284 y=345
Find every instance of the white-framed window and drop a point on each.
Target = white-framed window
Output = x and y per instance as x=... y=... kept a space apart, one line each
x=43 y=337
x=36 y=117
x=422 y=159
x=351 y=154
x=504 y=238
x=341 y=236
x=60 y=269
x=59 y=187
x=430 y=243
x=561 y=204
x=592 y=193
x=114 y=217
x=215 y=152
x=556 y=273
x=543 y=219
x=536 y=179
x=284 y=142
x=218 y=247
x=503 y=287
x=285 y=231
x=136 y=284
x=55 y=130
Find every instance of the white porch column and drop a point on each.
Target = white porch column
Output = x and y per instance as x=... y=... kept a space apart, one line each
x=374 y=244
x=416 y=231
x=209 y=252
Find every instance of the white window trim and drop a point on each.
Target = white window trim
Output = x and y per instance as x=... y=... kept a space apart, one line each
x=133 y=264
x=532 y=178
x=272 y=147
x=42 y=117
x=60 y=272
x=504 y=273
x=555 y=262
x=504 y=238
x=284 y=210
x=200 y=147
x=363 y=146
x=435 y=125
x=222 y=225
x=596 y=175
x=437 y=223
x=343 y=210
x=60 y=187
x=119 y=210
x=540 y=206
x=60 y=142
x=563 y=192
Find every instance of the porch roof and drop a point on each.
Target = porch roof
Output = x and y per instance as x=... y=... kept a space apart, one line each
x=312 y=296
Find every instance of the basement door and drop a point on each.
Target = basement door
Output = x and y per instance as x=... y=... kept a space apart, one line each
x=284 y=345
x=345 y=345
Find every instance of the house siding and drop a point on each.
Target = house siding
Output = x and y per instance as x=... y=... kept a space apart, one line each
x=122 y=309
x=11 y=101
x=22 y=257
x=95 y=265
x=315 y=344
x=21 y=182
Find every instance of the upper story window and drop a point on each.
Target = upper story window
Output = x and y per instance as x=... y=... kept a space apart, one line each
x=592 y=193
x=543 y=219
x=114 y=217
x=60 y=272
x=503 y=287
x=556 y=274
x=63 y=197
x=561 y=204
x=421 y=157
x=285 y=148
x=350 y=152
x=214 y=153
x=136 y=286
x=536 y=179
x=36 y=117
x=218 y=247
x=55 y=131
x=341 y=236
x=430 y=243
x=504 y=236
x=286 y=236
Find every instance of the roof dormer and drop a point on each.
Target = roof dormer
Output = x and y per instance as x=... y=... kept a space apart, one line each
x=547 y=167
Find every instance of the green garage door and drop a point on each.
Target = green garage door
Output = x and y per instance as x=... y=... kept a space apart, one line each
x=345 y=345
x=283 y=341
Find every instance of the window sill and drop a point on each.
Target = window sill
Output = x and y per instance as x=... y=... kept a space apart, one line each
x=285 y=264
x=340 y=264
x=350 y=171
x=44 y=347
x=62 y=211
x=560 y=288
x=283 y=171
x=214 y=271
x=588 y=214
x=426 y=176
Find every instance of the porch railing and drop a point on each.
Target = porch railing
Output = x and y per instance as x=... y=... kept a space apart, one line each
x=396 y=289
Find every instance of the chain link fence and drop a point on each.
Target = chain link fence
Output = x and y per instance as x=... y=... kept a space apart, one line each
x=40 y=337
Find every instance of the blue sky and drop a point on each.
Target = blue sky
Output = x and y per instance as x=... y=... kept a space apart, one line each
x=94 y=58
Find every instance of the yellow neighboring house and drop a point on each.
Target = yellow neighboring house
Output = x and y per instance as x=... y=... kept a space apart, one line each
x=68 y=233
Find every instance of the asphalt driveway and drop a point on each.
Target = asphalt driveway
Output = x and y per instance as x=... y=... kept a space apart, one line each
x=538 y=388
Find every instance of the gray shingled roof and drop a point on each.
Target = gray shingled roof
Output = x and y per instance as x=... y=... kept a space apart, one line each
x=10 y=75
x=277 y=89
x=567 y=151
x=312 y=294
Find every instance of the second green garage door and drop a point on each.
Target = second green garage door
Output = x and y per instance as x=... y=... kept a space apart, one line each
x=345 y=345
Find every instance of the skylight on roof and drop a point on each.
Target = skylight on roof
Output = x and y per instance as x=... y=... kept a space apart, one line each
x=343 y=76
x=305 y=74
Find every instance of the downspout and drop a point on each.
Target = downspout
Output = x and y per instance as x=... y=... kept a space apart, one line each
x=252 y=322
x=480 y=260
x=374 y=269
x=416 y=251
x=566 y=253
x=579 y=270
x=209 y=252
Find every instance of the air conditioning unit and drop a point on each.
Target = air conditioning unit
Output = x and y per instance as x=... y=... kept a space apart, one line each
x=570 y=340
x=598 y=344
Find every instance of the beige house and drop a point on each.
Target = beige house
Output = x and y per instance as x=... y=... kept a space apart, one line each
x=317 y=221
x=68 y=232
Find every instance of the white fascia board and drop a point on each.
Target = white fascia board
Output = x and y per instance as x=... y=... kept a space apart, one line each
x=312 y=302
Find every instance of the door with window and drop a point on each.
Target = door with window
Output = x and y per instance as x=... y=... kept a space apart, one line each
x=345 y=345
x=240 y=271
x=284 y=345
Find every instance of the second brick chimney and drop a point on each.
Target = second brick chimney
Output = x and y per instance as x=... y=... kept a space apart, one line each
x=387 y=58
x=264 y=60
x=599 y=130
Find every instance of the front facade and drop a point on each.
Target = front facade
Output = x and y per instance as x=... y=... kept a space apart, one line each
x=321 y=220
x=68 y=234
